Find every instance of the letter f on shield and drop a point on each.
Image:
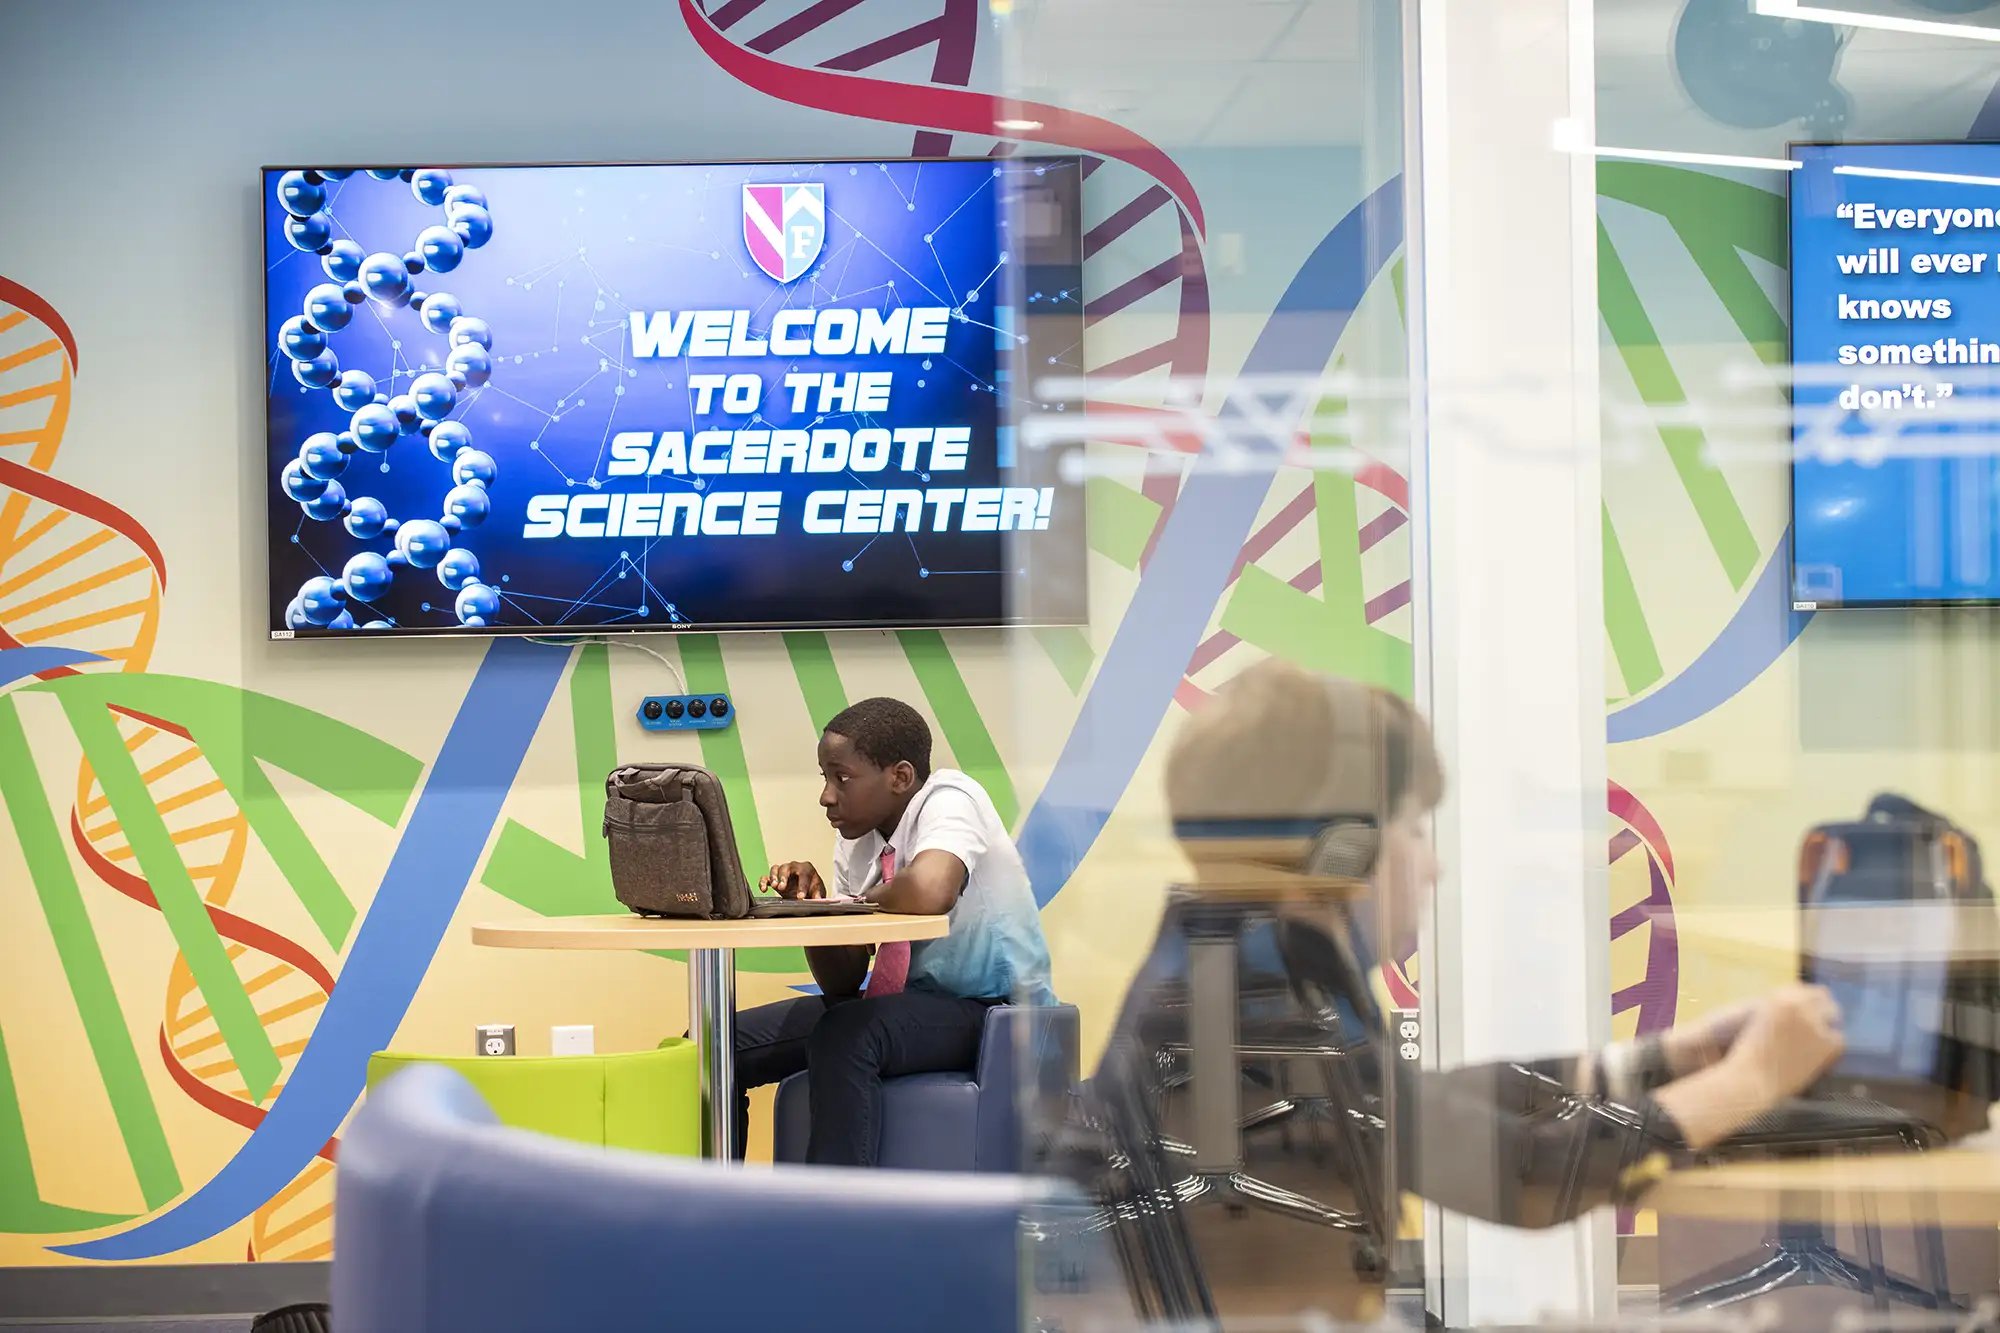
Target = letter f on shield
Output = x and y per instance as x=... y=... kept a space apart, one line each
x=784 y=227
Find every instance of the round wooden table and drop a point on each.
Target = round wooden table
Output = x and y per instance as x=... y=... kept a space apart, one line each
x=711 y=947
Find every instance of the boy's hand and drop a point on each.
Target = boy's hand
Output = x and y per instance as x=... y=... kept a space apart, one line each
x=1790 y=1039
x=1691 y=1047
x=795 y=879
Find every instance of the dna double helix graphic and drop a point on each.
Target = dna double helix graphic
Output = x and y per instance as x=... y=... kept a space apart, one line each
x=80 y=573
x=379 y=416
x=285 y=983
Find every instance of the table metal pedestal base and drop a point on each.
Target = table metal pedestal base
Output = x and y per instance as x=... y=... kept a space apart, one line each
x=712 y=1024
x=1801 y=1255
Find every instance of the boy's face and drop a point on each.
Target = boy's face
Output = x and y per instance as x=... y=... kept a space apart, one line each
x=858 y=796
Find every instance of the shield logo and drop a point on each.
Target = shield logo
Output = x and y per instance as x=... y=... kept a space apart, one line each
x=783 y=227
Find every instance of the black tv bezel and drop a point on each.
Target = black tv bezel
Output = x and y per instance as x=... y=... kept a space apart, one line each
x=1791 y=552
x=281 y=634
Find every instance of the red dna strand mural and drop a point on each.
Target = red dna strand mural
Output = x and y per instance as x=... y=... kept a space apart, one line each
x=1148 y=310
x=1147 y=317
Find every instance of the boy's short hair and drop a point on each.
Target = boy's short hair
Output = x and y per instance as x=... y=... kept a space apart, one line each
x=887 y=732
x=1281 y=742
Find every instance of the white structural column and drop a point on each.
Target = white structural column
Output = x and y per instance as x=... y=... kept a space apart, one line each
x=1509 y=593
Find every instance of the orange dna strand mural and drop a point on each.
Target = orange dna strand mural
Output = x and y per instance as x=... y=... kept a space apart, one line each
x=78 y=573
x=74 y=571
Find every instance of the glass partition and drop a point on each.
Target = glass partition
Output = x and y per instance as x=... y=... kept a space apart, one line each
x=1799 y=527
x=1671 y=1028
x=1244 y=433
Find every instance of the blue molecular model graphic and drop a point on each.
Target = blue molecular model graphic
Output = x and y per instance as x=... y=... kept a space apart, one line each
x=378 y=422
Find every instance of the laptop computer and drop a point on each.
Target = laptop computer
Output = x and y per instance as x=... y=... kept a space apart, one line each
x=1888 y=968
x=765 y=908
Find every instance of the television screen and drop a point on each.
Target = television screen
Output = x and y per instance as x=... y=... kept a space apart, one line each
x=1895 y=283
x=575 y=399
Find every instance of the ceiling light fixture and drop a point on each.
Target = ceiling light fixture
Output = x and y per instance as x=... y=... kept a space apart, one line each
x=1570 y=136
x=1792 y=9
x=1697 y=159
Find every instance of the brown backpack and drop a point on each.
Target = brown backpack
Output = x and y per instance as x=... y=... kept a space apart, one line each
x=673 y=849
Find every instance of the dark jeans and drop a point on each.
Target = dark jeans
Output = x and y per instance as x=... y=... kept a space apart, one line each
x=849 y=1046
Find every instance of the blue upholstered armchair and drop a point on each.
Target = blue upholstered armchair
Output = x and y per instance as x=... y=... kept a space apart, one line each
x=960 y=1121
x=448 y=1221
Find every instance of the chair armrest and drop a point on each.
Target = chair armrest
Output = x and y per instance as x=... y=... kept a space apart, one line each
x=450 y=1222
x=1027 y=1067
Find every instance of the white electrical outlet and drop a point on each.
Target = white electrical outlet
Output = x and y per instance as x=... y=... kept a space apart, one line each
x=573 y=1039
x=495 y=1039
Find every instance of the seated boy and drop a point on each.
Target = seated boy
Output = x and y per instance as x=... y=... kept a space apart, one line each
x=915 y=842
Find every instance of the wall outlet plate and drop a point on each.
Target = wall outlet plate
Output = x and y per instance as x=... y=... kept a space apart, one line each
x=1409 y=1025
x=686 y=712
x=495 y=1039
x=572 y=1039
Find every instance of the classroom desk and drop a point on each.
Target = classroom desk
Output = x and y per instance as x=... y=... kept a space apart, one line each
x=711 y=947
x=1867 y=934
x=1800 y=1206
x=1957 y=1186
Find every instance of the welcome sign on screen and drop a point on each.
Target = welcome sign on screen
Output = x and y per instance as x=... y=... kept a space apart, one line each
x=561 y=399
x=1896 y=354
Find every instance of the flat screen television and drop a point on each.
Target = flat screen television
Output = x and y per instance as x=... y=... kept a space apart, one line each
x=1895 y=288
x=573 y=399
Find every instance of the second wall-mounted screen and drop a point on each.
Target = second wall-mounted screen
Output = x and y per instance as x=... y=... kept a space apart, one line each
x=1895 y=283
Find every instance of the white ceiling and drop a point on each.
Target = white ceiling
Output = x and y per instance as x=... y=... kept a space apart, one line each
x=1288 y=73
x=1295 y=72
x=1900 y=85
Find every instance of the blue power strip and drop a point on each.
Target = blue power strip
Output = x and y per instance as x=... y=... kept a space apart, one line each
x=686 y=712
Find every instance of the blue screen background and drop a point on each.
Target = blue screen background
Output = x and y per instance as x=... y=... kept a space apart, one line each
x=573 y=250
x=1917 y=525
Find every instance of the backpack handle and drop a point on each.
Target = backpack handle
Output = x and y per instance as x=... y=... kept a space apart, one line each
x=639 y=784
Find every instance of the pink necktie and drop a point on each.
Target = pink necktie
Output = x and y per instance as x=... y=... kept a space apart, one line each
x=892 y=960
